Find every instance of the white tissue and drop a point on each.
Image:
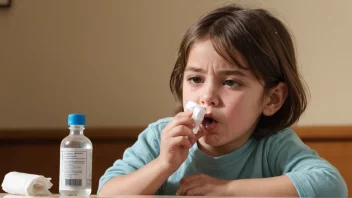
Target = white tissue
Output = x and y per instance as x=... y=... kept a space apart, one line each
x=198 y=114
x=26 y=184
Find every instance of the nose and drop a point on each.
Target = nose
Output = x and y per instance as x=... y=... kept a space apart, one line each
x=210 y=96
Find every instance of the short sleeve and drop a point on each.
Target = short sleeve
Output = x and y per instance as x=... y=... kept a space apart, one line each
x=312 y=175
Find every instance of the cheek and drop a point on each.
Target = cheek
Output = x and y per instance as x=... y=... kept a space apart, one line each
x=242 y=108
x=235 y=107
x=187 y=93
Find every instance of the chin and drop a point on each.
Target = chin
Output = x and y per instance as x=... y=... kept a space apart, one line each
x=211 y=140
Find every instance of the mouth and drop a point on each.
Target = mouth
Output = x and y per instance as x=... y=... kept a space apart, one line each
x=209 y=123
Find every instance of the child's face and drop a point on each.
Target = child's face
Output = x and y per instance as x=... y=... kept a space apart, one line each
x=232 y=97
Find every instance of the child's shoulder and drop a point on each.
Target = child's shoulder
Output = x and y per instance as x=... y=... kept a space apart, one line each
x=159 y=125
x=286 y=137
x=153 y=131
x=286 y=133
x=162 y=122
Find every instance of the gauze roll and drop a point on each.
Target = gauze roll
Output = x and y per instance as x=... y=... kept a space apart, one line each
x=26 y=184
x=198 y=114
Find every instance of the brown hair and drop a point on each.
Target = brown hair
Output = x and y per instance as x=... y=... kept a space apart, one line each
x=264 y=42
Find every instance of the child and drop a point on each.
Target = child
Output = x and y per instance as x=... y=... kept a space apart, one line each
x=240 y=65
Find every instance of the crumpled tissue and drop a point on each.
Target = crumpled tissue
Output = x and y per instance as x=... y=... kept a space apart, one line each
x=198 y=114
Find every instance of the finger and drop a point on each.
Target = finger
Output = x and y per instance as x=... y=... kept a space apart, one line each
x=181 y=142
x=183 y=118
x=193 y=141
x=186 y=113
x=187 y=187
x=196 y=191
x=192 y=178
x=181 y=130
x=199 y=134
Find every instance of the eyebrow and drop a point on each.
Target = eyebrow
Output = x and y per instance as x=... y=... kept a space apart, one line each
x=222 y=72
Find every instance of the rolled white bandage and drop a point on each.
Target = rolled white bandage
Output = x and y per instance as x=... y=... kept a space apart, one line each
x=26 y=184
x=198 y=114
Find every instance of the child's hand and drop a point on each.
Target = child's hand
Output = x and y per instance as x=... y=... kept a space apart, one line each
x=174 y=144
x=203 y=185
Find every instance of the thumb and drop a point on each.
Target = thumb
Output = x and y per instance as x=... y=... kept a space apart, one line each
x=200 y=133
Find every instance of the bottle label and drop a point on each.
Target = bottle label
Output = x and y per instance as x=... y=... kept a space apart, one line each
x=75 y=168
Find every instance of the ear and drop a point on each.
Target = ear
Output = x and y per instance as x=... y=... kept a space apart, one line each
x=275 y=99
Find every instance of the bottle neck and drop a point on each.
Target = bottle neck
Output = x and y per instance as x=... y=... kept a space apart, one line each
x=76 y=129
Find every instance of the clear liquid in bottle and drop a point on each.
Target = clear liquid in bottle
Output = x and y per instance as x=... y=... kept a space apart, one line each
x=76 y=160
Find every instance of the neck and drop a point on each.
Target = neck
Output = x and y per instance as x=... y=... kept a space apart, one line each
x=219 y=150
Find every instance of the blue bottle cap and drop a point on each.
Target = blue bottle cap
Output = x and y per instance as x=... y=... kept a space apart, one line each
x=76 y=119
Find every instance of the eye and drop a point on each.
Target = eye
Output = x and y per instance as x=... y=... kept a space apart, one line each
x=231 y=83
x=195 y=80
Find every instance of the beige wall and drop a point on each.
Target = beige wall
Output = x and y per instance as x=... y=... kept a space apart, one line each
x=111 y=59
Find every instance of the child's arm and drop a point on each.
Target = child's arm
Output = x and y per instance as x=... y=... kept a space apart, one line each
x=152 y=159
x=204 y=185
x=311 y=175
x=146 y=181
x=280 y=186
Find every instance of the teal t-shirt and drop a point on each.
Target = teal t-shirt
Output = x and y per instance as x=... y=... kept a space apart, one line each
x=280 y=154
